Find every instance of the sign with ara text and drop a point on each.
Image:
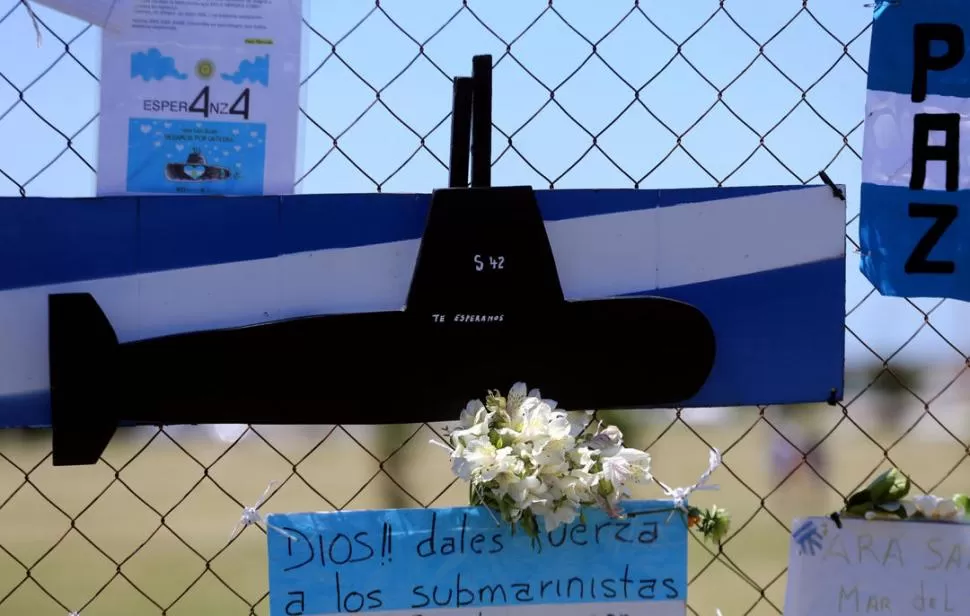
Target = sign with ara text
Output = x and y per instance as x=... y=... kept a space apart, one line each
x=200 y=98
x=877 y=567
x=460 y=561
x=914 y=224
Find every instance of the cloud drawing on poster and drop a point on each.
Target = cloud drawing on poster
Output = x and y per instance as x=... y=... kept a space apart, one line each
x=152 y=64
x=254 y=71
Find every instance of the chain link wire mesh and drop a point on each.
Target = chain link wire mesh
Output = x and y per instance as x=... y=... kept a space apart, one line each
x=627 y=94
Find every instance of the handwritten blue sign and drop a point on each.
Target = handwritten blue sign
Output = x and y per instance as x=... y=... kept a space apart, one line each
x=914 y=225
x=461 y=560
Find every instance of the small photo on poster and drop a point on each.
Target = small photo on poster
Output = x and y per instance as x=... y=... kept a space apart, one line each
x=178 y=156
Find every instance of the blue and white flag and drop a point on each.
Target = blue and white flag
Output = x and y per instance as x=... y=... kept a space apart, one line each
x=766 y=265
x=914 y=223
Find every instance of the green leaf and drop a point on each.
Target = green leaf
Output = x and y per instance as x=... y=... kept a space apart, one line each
x=529 y=524
x=715 y=524
x=963 y=502
x=605 y=487
x=899 y=488
x=505 y=509
x=474 y=499
x=858 y=504
x=862 y=499
x=880 y=486
x=891 y=485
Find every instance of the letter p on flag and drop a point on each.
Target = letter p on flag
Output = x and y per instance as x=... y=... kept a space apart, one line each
x=924 y=60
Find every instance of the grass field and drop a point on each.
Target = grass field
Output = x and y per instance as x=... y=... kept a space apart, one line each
x=162 y=567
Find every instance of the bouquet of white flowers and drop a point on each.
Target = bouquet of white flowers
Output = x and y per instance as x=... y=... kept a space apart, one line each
x=525 y=459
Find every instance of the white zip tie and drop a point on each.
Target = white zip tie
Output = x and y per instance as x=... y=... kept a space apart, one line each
x=251 y=516
x=680 y=495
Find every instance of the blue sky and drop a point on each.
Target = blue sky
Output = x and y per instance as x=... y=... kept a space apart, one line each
x=549 y=147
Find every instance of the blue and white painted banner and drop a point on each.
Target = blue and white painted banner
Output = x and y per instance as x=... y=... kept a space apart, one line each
x=915 y=224
x=765 y=264
x=202 y=100
x=460 y=562
x=906 y=568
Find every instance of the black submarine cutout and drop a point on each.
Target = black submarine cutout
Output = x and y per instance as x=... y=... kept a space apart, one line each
x=418 y=364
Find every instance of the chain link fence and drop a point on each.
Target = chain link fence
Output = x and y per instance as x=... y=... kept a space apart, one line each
x=627 y=94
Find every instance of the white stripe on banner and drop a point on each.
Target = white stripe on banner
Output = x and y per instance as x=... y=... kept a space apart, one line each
x=887 y=153
x=598 y=256
x=687 y=244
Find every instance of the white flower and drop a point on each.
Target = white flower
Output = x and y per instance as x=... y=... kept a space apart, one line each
x=460 y=465
x=482 y=460
x=526 y=491
x=576 y=487
x=553 y=517
x=933 y=507
x=578 y=421
x=513 y=402
x=581 y=457
x=517 y=393
x=522 y=455
x=627 y=465
x=539 y=422
x=550 y=457
x=608 y=440
x=460 y=438
x=471 y=414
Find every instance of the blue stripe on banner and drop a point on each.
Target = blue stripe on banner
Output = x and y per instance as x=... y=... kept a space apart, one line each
x=62 y=240
x=759 y=342
x=891 y=48
x=31 y=410
x=172 y=234
x=50 y=241
x=315 y=222
x=577 y=203
x=888 y=236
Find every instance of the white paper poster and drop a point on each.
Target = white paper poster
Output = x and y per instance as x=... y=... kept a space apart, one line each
x=878 y=567
x=200 y=97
